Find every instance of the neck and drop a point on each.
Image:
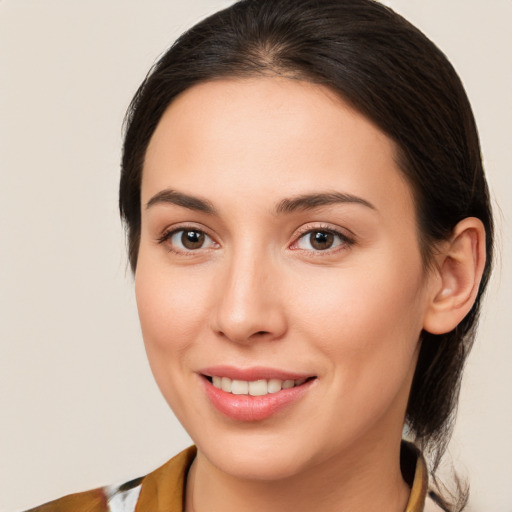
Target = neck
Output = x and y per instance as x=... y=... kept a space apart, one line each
x=359 y=480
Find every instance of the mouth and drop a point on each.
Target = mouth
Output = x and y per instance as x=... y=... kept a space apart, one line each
x=260 y=387
x=256 y=394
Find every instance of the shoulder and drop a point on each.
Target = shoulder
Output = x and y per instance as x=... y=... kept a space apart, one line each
x=105 y=499
x=90 y=501
x=164 y=485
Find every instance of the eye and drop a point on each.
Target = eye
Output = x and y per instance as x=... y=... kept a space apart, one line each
x=187 y=239
x=321 y=240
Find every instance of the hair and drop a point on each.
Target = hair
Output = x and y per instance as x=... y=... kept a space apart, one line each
x=390 y=72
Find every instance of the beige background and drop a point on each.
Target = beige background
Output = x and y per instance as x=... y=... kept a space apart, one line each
x=78 y=406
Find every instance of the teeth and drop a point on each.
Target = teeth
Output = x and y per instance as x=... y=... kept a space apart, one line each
x=287 y=384
x=254 y=388
x=274 y=385
x=226 y=384
x=239 y=387
x=258 y=388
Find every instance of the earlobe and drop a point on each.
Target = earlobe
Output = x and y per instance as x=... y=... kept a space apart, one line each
x=460 y=265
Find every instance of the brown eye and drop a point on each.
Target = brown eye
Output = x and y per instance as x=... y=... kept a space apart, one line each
x=321 y=240
x=187 y=240
x=317 y=240
x=192 y=239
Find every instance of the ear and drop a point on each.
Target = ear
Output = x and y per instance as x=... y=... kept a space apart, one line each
x=459 y=267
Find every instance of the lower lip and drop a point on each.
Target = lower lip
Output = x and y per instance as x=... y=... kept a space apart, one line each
x=254 y=408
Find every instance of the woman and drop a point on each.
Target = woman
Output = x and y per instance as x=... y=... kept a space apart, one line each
x=310 y=231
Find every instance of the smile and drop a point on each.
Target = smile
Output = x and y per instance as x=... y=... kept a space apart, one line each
x=255 y=394
x=259 y=387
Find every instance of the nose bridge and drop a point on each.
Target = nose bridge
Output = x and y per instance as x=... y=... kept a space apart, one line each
x=248 y=303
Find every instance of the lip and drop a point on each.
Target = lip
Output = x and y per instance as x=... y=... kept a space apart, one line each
x=248 y=408
x=253 y=373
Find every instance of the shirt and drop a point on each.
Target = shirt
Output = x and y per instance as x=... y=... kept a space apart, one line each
x=163 y=490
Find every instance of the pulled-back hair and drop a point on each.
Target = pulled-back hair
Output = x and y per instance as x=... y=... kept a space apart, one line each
x=391 y=73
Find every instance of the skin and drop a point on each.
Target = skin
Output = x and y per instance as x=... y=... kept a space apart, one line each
x=257 y=293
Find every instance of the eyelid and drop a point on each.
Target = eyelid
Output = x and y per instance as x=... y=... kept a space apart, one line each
x=170 y=231
x=346 y=236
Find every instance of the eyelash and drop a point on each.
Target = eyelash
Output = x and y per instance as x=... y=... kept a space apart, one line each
x=344 y=241
x=167 y=236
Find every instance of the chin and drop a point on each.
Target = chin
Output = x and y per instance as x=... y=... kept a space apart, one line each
x=265 y=454
x=265 y=462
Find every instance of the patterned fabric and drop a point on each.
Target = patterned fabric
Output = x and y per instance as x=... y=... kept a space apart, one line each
x=163 y=489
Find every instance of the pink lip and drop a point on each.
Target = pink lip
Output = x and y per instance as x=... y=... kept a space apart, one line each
x=253 y=408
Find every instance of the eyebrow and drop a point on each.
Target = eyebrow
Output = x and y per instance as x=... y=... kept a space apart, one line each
x=169 y=196
x=311 y=201
x=289 y=205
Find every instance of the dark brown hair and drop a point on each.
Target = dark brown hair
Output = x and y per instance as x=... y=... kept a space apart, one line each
x=392 y=74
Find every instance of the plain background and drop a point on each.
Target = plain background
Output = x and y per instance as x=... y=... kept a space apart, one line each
x=78 y=406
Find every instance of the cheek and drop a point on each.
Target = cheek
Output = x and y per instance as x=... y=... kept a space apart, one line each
x=367 y=321
x=172 y=318
x=171 y=311
x=367 y=327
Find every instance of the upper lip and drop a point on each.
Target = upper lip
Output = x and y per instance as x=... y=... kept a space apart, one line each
x=253 y=373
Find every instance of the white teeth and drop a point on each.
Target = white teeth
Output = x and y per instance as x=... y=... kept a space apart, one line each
x=226 y=384
x=258 y=388
x=274 y=385
x=254 y=388
x=239 y=387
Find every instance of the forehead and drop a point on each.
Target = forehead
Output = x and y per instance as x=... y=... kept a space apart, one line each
x=269 y=136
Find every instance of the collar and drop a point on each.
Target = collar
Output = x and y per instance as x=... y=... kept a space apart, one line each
x=163 y=490
x=414 y=470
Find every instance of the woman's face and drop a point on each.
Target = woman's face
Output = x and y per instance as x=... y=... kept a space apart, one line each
x=278 y=248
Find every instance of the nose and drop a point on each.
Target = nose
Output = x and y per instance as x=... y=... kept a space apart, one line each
x=249 y=306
